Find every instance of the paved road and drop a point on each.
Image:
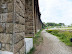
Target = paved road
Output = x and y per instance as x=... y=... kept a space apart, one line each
x=52 y=45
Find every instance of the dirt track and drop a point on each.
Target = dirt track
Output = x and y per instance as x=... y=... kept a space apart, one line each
x=52 y=45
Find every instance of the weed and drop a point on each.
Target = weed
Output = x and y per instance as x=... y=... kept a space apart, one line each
x=31 y=51
x=64 y=36
x=36 y=41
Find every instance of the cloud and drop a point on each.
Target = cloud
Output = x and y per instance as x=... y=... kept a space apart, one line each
x=56 y=11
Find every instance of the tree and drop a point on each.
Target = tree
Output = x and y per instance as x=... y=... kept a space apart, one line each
x=61 y=24
x=71 y=24
x=55 y=24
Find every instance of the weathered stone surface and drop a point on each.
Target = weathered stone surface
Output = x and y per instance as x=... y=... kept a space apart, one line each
x=9 y=28
x=8 y=47
x=19 y=11
x=3 y=8
x=3 y=49
x=3 y=45
x=6 y=6
x=20 y=4
x=8 y=1
x=17 y=53
x=29 y=28
x=19 y=37
x=2 y=27
x=22 y=50
x=23 y=1
x=20 y=19
x=29 y=32
x=29 y=35
x=29 y=23
x=3 y=17
x=19 y=28
x=6 y=17
x=18 y=46
x=10 y=17
x=6 y=38
x=20 y=7
x=24 y=23
x=5 y=1
x=10 y=7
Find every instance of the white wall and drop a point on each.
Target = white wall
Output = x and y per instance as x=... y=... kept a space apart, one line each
x=29 y=44
x=5 y=52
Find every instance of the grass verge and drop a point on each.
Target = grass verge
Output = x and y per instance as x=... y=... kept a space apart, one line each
x=64 y=36
x=36 y=41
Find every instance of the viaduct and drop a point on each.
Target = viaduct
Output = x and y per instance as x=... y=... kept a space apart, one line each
x=19 y=19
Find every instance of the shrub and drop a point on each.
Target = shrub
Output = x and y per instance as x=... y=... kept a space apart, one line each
x=49 y=31
x=64 y=36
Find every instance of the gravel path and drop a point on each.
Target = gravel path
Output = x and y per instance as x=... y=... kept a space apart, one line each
x=52 y=45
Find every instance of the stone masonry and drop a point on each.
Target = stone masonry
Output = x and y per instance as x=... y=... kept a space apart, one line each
x=18 y=19
x=29 y=21
x=37 y=14
x=12 y=26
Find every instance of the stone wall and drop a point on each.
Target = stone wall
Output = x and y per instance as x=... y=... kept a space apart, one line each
x=29 y=21
x=6 y=25
x=37 y=20
x=33 y=22
x=18 y=19
x=19 y=27
x=12 y=26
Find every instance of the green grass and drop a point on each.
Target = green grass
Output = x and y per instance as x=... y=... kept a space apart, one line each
x=64 y=36
x=31 y=51
x=36 y=41
x=68 y=27
x=57 y=27
x=50 y=27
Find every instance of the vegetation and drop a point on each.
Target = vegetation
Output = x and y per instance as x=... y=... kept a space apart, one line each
x=69 y=27
x=55 y=24
x=71 y=24
x=64 y=36
x=50 y=27
x=36 y=41
x=31 y=51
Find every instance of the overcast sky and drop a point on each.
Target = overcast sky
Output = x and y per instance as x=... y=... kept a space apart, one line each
x=58 y=11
